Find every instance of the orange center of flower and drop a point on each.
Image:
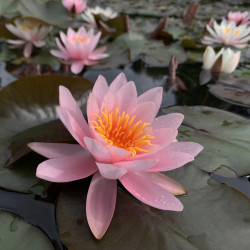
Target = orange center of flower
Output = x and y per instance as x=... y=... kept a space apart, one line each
x=79 y=39
x=236 y=33
x=121 y=131
x=29 y=26
x=227 y=31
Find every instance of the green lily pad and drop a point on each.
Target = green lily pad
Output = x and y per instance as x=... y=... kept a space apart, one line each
x=224 y=136
x=51 y=12
x=18 y=234
x=201 y=225
x=9 y=8
x=28 y=113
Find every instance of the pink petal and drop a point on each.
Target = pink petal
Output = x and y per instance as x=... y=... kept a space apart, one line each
x=110 y=101
x=92 y=108
x=58 y=53
x=16 y=42
x=191 y=148
x=167 y=183
x=144 y=112
x=94 y=42
x=98 y=150
x=128 y=97
x=169 y=160
x=70 y=122
x=118 y=154
x=55 y=150
x=137 y=165
x=100 y=89
x=66 y=169
x=163 y=136
x=152 y=95
x=68 y=102
x=141 y=186
x=109 y=171
x=77 y=67
x=27 y=49
x=118 y=82
x=172 y=120
x=98 y=54
x=100 y=205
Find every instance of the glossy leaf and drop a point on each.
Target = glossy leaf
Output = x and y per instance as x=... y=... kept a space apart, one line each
x=18 y=234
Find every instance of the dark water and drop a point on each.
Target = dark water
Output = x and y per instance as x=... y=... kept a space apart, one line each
x=40 y=211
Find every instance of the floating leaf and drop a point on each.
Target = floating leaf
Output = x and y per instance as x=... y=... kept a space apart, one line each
x=51 y=12
x=9 y=8
x=201 y=225
x=224 y=136
x=18 y=234
x=28 y=113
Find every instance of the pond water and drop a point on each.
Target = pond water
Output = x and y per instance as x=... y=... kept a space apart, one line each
x=40 y=210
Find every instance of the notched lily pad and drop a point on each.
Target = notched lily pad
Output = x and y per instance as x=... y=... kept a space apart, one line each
x=28 y=113
x=224 y=136
x=18 y=234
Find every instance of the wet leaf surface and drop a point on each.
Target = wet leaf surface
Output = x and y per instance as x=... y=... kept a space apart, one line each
x=201 y=225
x=18 y=234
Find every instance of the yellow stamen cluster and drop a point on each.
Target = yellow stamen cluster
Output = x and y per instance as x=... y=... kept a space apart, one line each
x=227 y=30
x=79 y=39
x=29 y=26
x=121 y=131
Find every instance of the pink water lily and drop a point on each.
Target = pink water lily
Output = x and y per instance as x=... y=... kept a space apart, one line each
x=76 y=6
x=78 y=49
x=123 y=140
x=238 y=17
x=30 y=34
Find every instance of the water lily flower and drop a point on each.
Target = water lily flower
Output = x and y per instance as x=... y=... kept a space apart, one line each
x=78 y=49
x=240 y=18
x=123 y=140
x=75 y=6
x=226 y=60
x=30 y=34
x=105 y=13
x=228 y=33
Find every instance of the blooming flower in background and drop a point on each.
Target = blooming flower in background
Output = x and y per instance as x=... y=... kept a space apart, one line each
x=105 y=13
x=121 y=141
x=75 y=6
x=229 y=60
x=240 y=18
x=31 y=34
x=78 y=49
x=228 y=33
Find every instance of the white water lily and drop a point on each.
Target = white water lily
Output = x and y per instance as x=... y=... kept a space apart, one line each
x=30 y=34
x=105 y=13
x=230 y=60
x=228 y=33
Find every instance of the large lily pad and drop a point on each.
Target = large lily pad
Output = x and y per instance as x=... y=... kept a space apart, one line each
x=51 y=12
x=28 y=113
x=18 y=234
x=224 y=135
x=202 y=224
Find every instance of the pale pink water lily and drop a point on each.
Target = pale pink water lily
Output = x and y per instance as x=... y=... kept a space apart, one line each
x=228 y=33
x=75 y=6
x=238 y=17
x=229 y=60
x=30 y=34
x=78 y=48
x=123 y=140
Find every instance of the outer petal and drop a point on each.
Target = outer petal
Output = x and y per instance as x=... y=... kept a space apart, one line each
x=27 y=49
x=152 y=95
x=68 y=102
x=172 y=120
x=100 y=89
x=66 y=169
x=164 y=136
x=145 y=112
x=118 y=154
x=77 y=67
x=55 y=150
x=191 y=148
x=118 y=82
x=167 y=183
x=100 y=205
x=98 y=150
x=208 y=58
x=110 y=171
x=147 y=191
x=137 y=165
